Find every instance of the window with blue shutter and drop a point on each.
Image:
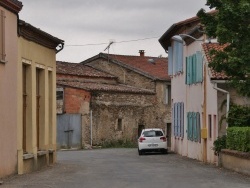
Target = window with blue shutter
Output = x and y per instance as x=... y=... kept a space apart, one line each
x=170 y=61
x=175 y=58
x=194 y=68
x=193 y=126
x=195 y=137
x=182 y=119
x=178 y=119
x=199 y=65
x=198 y=126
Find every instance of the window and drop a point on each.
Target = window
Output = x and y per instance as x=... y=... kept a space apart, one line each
x=194 y=68
x=175 y=58
x=119 y=125
x=2 y=36
x=178 y=119
x=38 y=106
x=24 y=105
x=193 y=126
x=168 y=94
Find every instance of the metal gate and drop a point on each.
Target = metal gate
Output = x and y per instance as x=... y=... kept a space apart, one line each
x=69 y=131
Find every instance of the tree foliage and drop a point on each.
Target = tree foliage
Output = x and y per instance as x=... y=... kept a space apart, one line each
x=231 y=26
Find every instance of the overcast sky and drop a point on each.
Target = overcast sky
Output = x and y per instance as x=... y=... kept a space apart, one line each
x=83 y=22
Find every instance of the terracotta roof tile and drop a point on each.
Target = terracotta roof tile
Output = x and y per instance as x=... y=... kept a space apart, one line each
x=93 y=86
x=80 y=70
x=216 y=46
x=153 y=66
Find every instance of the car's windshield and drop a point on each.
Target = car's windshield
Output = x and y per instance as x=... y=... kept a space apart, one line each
x=152 y=133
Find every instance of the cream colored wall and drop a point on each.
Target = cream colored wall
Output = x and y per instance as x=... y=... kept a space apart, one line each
x=8 y=98
x=35 y=57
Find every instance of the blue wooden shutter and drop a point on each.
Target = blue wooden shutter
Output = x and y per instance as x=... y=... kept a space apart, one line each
x=191 y=126
x=175 y=57
x=170 y=61
x=179 y=119
x=180 y=56
x=199 y=70
x=198 y=127
x=193 y=69
x=188 y=125
x=195 y=138
x=175 y=119
x=189 y=70
x=182 y=119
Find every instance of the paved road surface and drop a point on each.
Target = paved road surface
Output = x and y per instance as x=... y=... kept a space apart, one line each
x=123 y=168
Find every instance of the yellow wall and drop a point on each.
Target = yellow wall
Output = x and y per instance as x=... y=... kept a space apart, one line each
x=8 y=98
x=35 y=56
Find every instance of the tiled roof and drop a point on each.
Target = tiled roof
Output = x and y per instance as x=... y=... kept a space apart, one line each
x=156 y=67
x=153 y=67
x=190 y=25
x=79 y=69
x=92 y=86
x=216 y=46
x=34 y=34
x=13 y=5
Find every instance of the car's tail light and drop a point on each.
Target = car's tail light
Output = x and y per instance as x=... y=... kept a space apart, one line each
x=141 y=139
x=163 y=138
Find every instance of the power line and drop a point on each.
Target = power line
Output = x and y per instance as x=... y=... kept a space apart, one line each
x=124 y=41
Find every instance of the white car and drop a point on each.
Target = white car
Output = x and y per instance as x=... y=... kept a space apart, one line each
x=152 y=140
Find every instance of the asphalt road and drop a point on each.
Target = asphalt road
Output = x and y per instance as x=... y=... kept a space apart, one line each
x=123 y=168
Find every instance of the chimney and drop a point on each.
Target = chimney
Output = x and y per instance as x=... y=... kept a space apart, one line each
x=141 y=53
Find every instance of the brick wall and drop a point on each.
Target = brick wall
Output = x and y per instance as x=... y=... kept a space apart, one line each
x=75 y=99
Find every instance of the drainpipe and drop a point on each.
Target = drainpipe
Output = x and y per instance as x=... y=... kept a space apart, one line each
x=228 y=100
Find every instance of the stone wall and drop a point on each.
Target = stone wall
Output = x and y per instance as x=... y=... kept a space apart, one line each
x=132 y=110
x=124 y=75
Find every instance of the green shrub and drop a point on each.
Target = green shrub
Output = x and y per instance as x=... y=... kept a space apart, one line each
x=238 y=138
x=238 y=116
x=219 y=143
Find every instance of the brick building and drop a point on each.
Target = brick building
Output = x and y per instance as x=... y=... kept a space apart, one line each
x=115 y=95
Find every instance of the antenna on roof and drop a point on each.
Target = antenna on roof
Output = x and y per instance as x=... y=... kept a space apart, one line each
x=107 y=48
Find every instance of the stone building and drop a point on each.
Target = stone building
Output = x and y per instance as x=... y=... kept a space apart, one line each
x=116 y=95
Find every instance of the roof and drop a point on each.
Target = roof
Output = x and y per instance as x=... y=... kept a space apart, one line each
x=216 y=46
x=93 y=86
x=13 y=5
x=152 y=67
x=80 y=70
x=34 y=34
x=189 y=26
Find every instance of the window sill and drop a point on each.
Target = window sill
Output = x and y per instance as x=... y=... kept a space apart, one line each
x=41 y=153
x=3 y=61
x=28 y=156
x=51 y=150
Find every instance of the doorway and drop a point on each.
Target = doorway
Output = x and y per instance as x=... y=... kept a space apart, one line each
x=169 y=134
x=140 y=128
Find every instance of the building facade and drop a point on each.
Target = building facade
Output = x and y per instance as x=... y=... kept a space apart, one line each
x=8 y=85
x=200 y=96
x=36 y=125
x=27 y=93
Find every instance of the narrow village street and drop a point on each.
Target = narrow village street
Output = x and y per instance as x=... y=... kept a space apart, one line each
x=124 y=168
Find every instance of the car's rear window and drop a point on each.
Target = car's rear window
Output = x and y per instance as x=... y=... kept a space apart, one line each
x=152 y=133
